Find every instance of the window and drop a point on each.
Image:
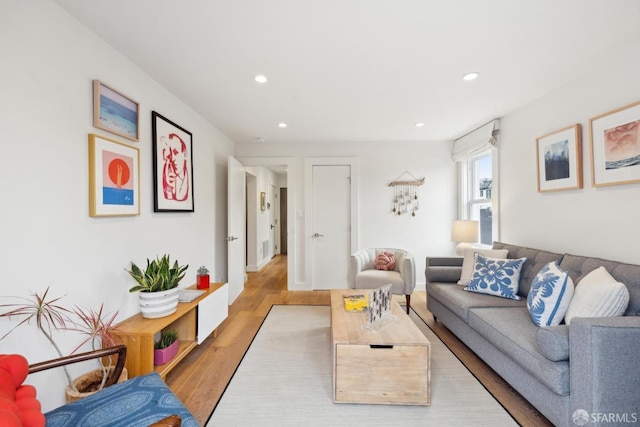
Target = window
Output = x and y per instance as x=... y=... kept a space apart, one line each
x=476 y=193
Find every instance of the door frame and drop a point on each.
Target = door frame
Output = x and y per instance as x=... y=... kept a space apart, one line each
x=309 y=163
x=292 y=178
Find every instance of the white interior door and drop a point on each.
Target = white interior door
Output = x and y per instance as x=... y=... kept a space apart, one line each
x=236 y=240
x=331 y=231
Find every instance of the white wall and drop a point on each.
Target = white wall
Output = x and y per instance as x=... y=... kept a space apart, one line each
x=590 y=221
x=46 y=235
x=378 y=163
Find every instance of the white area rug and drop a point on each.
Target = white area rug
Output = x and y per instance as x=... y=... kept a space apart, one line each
x=285 y=380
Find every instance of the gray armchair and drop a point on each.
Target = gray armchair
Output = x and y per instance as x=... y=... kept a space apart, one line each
x=364 y=275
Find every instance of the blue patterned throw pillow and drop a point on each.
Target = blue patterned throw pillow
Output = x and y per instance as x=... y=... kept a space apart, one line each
x=499 y=277
x=550 y=294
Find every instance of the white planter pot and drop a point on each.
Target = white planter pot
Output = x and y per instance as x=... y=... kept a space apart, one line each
x=158 y=304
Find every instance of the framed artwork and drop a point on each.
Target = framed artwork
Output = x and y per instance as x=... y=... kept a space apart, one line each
x=262 y=197
x=615 y=146
x=114 y=178
x=115 y=112
x=172 y=166
x=559 y=159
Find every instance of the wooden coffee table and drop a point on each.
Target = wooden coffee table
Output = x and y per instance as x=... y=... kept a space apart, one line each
x=391 y=366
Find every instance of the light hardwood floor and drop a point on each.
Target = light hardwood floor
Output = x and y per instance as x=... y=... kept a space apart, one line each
x=201 y=378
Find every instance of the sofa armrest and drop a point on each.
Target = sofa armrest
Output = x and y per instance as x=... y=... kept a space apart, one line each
x=604 y=360
x=359 y=261
x=443 y=269
x=121 y=350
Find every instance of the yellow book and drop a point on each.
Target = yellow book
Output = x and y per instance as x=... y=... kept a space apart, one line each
x=355 y=302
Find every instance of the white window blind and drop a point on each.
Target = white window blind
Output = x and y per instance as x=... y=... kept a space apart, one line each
x=476 y=142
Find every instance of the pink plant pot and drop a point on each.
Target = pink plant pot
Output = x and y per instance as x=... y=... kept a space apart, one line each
x=163 y=355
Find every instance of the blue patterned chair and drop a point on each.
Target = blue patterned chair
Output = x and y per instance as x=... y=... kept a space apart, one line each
x=141 y=401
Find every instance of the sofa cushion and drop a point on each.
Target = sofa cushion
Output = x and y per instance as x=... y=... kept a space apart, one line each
x=629 y=274
x=139 y=401
x=469 y=261
x=553 y=342
x=373 y=279
x=550 y=294
x=456 y=299
x=512 y=332
x=498 y=277
x=598 y=294
x=536 y=259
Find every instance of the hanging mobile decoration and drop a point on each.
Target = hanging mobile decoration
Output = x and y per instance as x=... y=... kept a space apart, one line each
x=405 y=194
x=395 y=199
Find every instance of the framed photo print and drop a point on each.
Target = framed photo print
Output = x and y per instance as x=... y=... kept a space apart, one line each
x=114 y=178
x=615 y=146
x=559 y=159
x=172 y=166
x=115 y=112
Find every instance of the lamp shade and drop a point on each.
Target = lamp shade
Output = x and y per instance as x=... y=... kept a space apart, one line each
x=464 y=231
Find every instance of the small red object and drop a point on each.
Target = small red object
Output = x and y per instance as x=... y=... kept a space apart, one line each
x=203 y=281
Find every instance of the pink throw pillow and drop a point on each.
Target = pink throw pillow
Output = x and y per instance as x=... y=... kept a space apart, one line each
x=385 y=261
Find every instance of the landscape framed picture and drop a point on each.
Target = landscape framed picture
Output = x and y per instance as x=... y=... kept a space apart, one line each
x=559 y=159
x=615 y=146
x=172 y=166
x=114 y=178
x=115 y=112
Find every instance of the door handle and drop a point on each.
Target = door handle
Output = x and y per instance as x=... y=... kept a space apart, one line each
x=318 y=235
x=231 y=238
x=272 y=226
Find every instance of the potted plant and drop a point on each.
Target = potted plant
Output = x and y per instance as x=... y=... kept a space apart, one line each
x=158 y=286
x=166 y=348
x=49 y=316
x=203 y=277
x=97 y=329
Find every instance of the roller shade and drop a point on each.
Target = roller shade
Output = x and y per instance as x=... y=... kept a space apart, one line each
x=476 y=142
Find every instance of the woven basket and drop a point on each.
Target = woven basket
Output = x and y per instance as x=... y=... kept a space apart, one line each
x=90 y=381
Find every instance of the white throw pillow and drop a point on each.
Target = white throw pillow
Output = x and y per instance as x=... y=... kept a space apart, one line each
x=598 y=294
x=498 y=277
x=468 y=261
x=550 y=295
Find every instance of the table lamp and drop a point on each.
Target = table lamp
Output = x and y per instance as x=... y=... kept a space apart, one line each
x=465 y=233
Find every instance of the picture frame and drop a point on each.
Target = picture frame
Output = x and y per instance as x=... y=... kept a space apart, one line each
x=172 y=166
x=615 y=146
x=115 y=112
x=262 y=200
x=114 y=178
x=559 y=159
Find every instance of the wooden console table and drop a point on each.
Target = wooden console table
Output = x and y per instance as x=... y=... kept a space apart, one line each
x=194 y=321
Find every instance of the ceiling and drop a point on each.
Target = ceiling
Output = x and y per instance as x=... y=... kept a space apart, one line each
x=359 y=70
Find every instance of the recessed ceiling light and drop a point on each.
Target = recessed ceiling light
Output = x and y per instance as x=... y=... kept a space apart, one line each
x=419 y=124
x=470 y=76
x=282 y=125
x=260 y=78
x=261 y=139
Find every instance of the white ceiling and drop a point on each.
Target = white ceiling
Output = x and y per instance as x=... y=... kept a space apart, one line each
x=359 y=70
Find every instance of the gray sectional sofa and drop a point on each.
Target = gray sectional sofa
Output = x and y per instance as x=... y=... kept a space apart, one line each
x=585 y=373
